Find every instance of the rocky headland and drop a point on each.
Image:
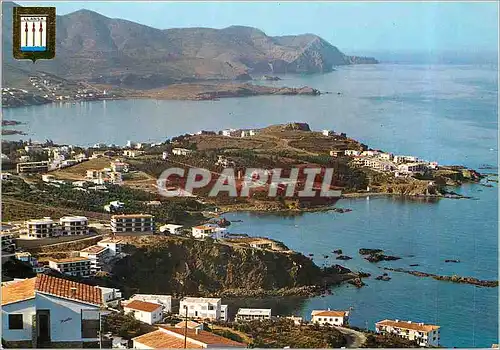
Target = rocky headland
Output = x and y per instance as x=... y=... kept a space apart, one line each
x=454 y=278
x=180 y=266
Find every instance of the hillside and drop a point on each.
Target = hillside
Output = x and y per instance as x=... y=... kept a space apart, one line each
x=113 y=51
x=170 y=265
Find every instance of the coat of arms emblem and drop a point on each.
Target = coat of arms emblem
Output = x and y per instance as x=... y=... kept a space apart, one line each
x=34 y=32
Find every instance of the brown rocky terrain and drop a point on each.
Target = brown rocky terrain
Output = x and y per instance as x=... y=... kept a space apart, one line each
x=99 y=49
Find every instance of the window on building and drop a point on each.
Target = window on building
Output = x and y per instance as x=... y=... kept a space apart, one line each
x=90 y=323
x=16 y=321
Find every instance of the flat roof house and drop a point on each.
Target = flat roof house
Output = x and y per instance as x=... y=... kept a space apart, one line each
x=181 y=151
x=174 y=338
x=144 y=311
x=423 y=334
x=330 y=317
x=114 y=245
x=203 y=231
x=171 y=229
x=97 y=255
x=80 y=267
x=132 y=223
x=203 y=308
x=46 y=311
x=32 y=167
x=40 y=228
x=253 y=314
x=74 y=225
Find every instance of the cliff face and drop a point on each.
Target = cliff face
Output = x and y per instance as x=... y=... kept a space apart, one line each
x=178 y=266
x=90 y=46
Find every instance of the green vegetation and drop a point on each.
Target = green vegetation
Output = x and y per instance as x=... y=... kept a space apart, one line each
x=282 y=332
x=125 y=325
x=180 y=266
x=65 y=196
x=388 y=341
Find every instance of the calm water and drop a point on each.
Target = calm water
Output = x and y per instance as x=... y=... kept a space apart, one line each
x=443 y=113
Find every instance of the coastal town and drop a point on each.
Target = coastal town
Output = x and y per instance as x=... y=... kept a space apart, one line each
x=65 y=262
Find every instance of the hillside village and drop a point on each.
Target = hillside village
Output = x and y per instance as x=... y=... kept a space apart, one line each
x=105 y=211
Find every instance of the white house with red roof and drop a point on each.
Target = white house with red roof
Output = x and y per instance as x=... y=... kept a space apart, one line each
x=423 y=334
x=50 y=311
x=144 y=311
x=330 y=317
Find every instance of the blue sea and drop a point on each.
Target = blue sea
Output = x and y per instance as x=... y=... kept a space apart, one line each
x=446 y=113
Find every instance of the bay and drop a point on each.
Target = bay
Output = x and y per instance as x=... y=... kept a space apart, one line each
x=446 y=113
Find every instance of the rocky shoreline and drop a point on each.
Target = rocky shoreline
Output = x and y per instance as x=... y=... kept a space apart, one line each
x=454 y=278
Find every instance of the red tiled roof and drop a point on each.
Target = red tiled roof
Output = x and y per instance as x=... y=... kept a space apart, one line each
x=63 y=288
x=161 y=340
x=206 y=337
x=332 y=313
x=18 y=291
x=408 y=325
x=142 y=306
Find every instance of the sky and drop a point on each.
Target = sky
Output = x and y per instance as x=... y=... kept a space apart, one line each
x=351 y=26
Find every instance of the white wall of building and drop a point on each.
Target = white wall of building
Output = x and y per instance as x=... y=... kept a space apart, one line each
x=144 y=316
x=27 y=309
x=65 y=317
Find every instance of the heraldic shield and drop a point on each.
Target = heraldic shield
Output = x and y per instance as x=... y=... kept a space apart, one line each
x=34 y=30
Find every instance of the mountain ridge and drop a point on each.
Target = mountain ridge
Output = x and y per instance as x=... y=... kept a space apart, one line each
x=97 y=48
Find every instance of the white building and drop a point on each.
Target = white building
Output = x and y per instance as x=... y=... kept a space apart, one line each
x=110 y=296
x=114 y=206
x=133 y=223
x=181 y=151
x=133 y=153
x=411 y=168
x=114 y=245
x=330 y=317
x=424 y=334
x=144 y=311
x=98 y=256
x=203 y=231
x=31 y=260
x=74 y=225
x=405 y=159
x=32 y=167
x=119 y=167
x=378 y=164
x=50 y=311
x=80 y=267
x=164 y=155
x=247 y=133
x=327 y=132
x=253 y=314
x=163 y=300
x=369 y=153
x=171 y=229
x=228 y=132
x=386 y=156
x=40 y=228
x=202 y=308
x=352 y=152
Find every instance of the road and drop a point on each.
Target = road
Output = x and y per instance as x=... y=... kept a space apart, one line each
x=354 y=338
